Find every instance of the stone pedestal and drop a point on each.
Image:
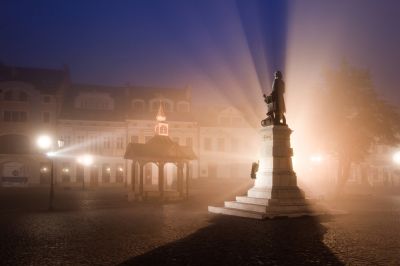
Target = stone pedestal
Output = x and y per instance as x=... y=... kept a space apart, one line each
x=275 y=192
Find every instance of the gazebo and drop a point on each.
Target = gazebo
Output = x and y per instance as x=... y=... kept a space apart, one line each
x=160 y=150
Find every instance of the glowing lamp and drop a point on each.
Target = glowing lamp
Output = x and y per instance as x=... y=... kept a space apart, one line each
x=85 y=159
x=396 y=158
x=317 y=158
x=44 y=142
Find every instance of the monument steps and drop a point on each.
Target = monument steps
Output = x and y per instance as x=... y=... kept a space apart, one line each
x=270 y=214
x=275 y=192
x=250 y=200
x=245 y=206
x=236 y=212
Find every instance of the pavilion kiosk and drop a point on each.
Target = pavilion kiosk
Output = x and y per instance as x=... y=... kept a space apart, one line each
x=160 y=150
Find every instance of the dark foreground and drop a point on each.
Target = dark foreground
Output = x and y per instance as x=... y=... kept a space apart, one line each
x=99 y=227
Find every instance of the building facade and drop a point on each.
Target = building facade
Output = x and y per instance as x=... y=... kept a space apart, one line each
x=101 y=121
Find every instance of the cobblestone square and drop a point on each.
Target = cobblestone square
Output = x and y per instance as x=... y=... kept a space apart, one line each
x=99 y=227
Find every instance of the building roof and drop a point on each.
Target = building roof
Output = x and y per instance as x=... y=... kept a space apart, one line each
x=147 y=93
x=159 y=148
x=45 y=80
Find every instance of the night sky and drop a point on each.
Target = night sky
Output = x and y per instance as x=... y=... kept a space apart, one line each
x=229 y=47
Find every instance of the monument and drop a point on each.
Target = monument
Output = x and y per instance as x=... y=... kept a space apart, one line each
x=275 y=192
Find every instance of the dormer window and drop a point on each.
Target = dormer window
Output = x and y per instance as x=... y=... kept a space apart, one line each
x=94 y=101
x=167 y=104
x=183 y=107
x=138 y=106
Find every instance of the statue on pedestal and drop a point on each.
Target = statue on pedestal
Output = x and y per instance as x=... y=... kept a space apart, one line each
x=275 y=103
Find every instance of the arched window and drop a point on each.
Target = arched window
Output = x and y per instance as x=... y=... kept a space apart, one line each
x=183 y=107
x=167 y=107
x=138 y=106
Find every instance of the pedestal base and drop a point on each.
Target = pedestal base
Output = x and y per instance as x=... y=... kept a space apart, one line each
x=275 y=192
x=262 y=203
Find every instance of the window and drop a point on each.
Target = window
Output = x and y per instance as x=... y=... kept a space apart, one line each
x=106 y=173
x=164 y=130
x=119 y=177
x=138 y=106
x=8 y=96
x=46 y=117
x=221 y=144
x=207 y=144
x=237 y=121
x=119 y=143
x=189 y=142
x=7 y=116
x=79 y=173
x=167 y=107
x=15 y=116
x=23 y=96
x=134 y=139
x=224 y=121
x=183 y=107
x=46 y=99
x=234 y=145
x=65 y=173
x=155 y=105
x=106 y=143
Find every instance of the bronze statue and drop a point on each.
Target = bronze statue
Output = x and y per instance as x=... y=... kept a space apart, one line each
x=275 y=103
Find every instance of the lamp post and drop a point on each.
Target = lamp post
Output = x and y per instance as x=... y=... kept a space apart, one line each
x=84 y=160
x=45 y=143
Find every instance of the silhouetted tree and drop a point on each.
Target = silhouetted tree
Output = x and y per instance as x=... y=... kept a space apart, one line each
x=352 y=118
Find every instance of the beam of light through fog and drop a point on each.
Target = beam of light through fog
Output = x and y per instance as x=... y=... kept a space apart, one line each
x=226 y=50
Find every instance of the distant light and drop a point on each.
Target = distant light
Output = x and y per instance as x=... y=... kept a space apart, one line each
x=44 y=142
x=317 y=158
x=51 y=153
x=396 y=157
x=108 y=169
x=65 y=170
x=85 y=159
x=44 y=169
x=120 y=169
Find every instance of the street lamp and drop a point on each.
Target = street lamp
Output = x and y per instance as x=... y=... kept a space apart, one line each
x=396 y=157
x=45 y=143
x=316 y=158
x=85 y=160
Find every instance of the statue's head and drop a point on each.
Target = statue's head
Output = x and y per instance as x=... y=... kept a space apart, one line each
x=278 y=75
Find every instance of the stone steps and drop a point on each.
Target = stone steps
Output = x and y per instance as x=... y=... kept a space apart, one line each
x=245 y=206
x=250 y=200
x=236 y=212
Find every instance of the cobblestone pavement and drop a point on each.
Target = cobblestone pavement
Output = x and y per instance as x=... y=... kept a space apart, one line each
x=99 y=227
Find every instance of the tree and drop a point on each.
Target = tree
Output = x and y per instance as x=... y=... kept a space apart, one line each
x=352 y=118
